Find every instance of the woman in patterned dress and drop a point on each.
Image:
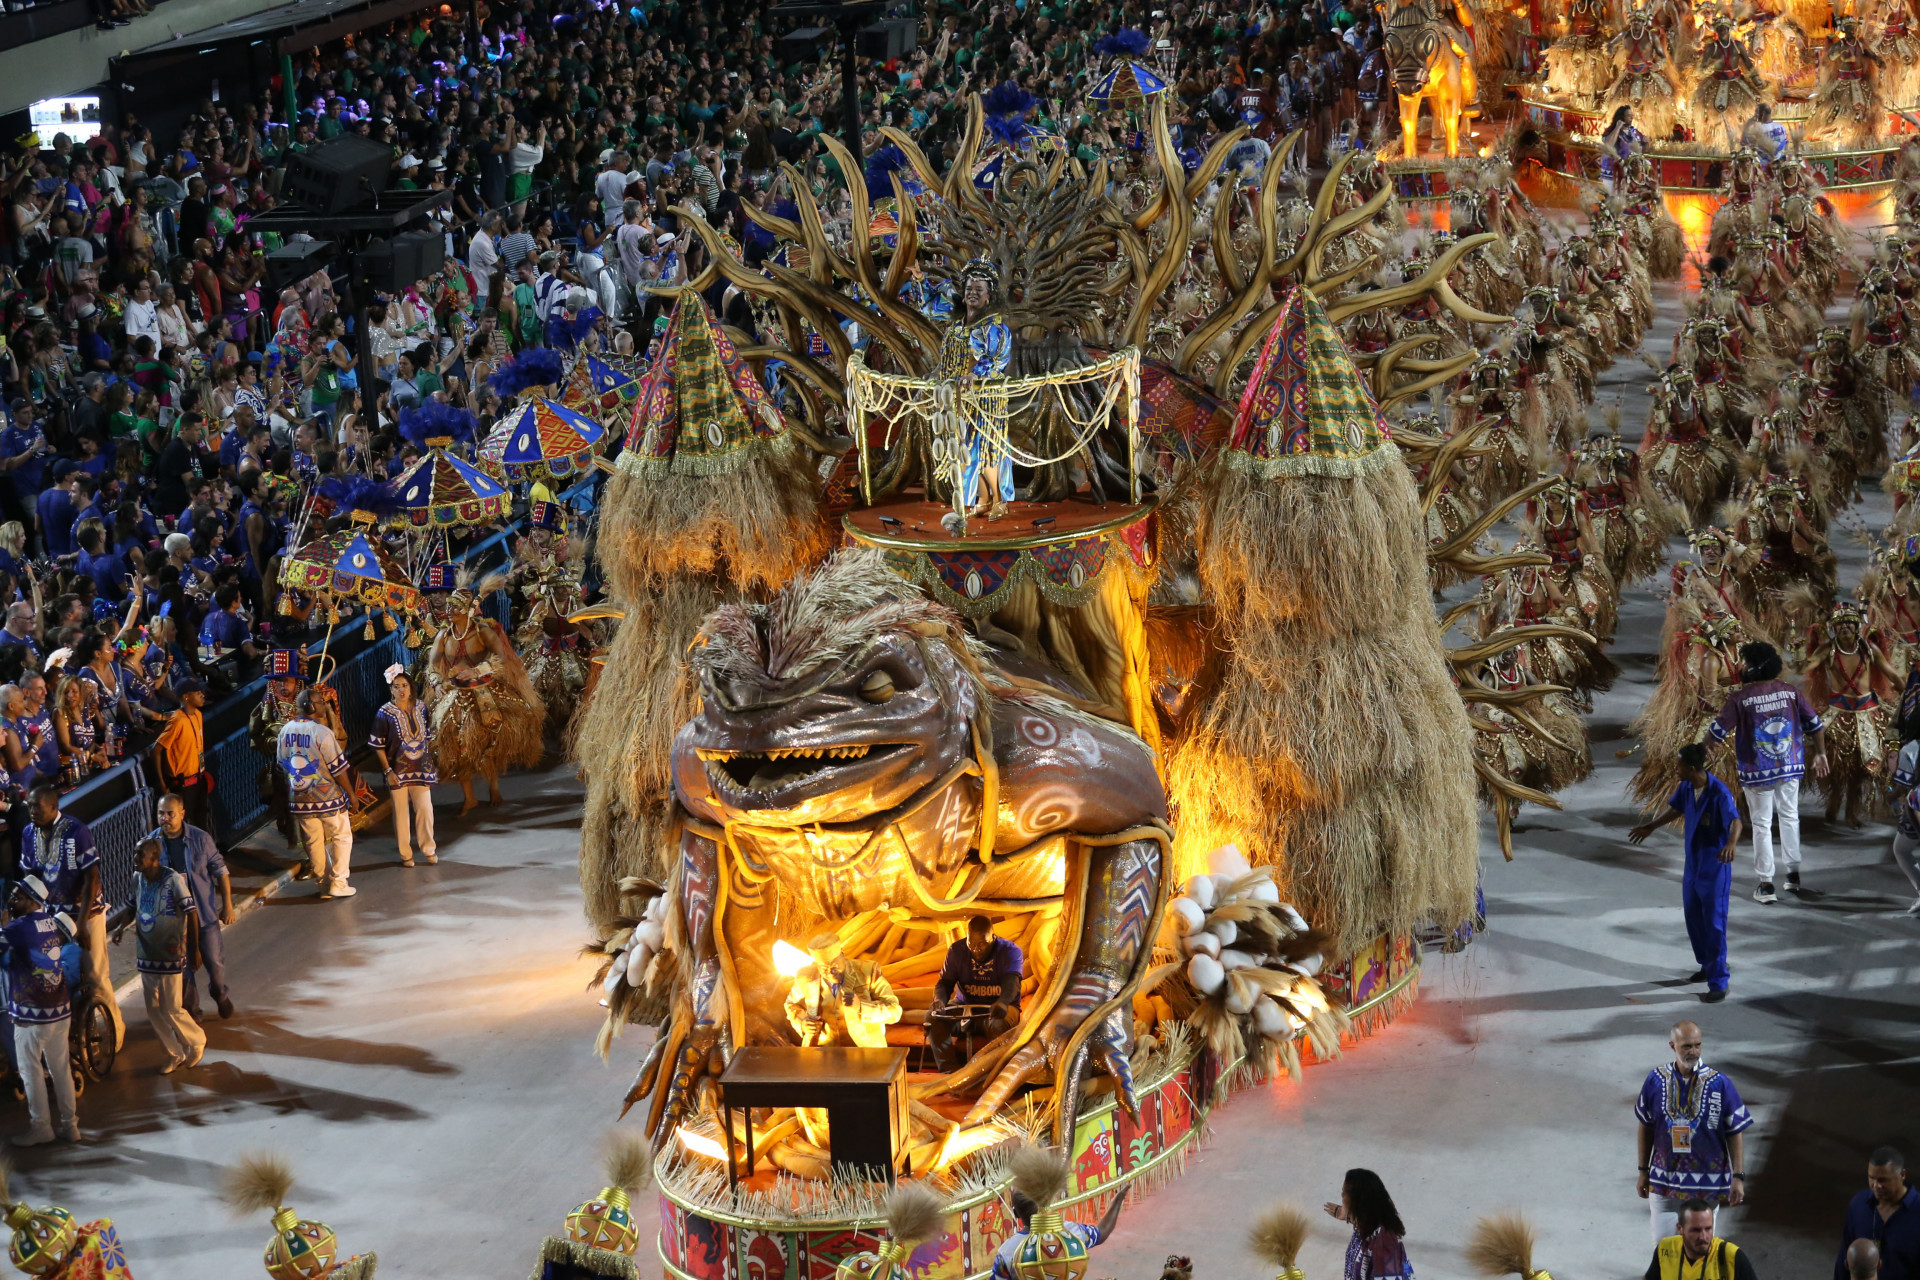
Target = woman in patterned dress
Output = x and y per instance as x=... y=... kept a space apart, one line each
x=1376 y=1251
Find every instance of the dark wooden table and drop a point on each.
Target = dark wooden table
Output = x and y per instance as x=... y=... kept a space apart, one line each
x=864 y=1093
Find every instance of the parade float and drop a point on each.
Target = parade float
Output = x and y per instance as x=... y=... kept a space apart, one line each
x=1133 y=656
x=1839 y=85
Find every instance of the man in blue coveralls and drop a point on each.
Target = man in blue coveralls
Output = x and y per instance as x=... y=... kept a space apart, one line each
x=1712 y=826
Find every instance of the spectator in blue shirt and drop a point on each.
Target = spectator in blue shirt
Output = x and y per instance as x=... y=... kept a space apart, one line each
x=1712 y=832
x=56 y=510
x=97 y=561
x=1887 y=1213
x=23 y=450
x=224 y=630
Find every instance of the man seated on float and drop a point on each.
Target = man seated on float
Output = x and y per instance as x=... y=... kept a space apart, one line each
x=978 y=994
x=837 y=1000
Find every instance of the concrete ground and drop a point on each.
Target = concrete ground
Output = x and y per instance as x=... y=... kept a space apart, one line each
x=423 y=1054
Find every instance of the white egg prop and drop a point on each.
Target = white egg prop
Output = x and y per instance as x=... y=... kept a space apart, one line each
x=1206 y=974
x=1187 y=915
x=1200 y=890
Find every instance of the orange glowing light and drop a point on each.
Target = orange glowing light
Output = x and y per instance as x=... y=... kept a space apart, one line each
x=1694 y=211
x=961 y=1143
x=788 y=959
x=700 y=1144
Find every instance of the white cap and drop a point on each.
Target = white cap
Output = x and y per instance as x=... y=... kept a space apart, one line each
x=397 y=669
x=409 y=161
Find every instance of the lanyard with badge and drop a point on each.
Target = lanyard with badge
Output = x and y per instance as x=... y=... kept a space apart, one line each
x=1683 y=1109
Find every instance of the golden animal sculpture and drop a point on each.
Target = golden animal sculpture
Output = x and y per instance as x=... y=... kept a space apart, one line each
x=1429 y=58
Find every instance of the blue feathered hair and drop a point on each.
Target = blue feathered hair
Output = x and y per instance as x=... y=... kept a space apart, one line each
x=433 y=420
x=565 y=334
x=360 y=493
x=1128 y=42
x=534 y=367
x=881 y=165
x=1007 y=105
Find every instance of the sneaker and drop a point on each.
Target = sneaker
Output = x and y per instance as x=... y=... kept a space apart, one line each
x=31 y=1138
x=406 y=862
x=326 y=893
x=1793 y=882
x=303 y=872
x=199 y=1052
x=433 y=859
x=1699 y=975
x=342 y=891
x=226 y=1007
x=1715 y=996
x=1763 y=892
x=173 y=1065
x=71 y=1133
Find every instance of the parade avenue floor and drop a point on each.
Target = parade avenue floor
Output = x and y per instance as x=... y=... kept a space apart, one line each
x=423 y=1052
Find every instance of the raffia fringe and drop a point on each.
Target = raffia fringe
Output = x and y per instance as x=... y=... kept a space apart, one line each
x=1313 y=464
x=601 y=1262
x=357 y=1268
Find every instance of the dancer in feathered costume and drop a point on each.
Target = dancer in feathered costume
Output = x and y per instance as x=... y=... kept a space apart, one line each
x=1715 y=575
x=1624 y=281
x=1507 y=451
x=1793 y=580
x=1892 y=601
x=486 y=716
x=1527 y=594
x=1643 y=83
x=1619 y=508
x=1813 y=445
x=1857 y=403
x=1726 y=85
x=1746 y=199
x=1579 y=63
x=1557 y=369
x=1778 y=318
x=1679 y=450
x=1454 y=500
x=1899 y=51
x=1561 y=525
x=1655 y=236
x=1603 y=324
x=1699 y=662
x=1880 y=334
x=558 y=654
x=1543 y=746
x=1853 y=684
x=1848 y=110
x=1700 y=346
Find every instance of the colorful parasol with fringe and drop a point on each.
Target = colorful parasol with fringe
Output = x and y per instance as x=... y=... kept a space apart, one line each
x=442 y=492
x=600 y=384
x=1128 y=85
x=350 y=565
x=542 y=439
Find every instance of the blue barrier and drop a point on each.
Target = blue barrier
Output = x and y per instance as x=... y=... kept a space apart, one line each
x=117 y=806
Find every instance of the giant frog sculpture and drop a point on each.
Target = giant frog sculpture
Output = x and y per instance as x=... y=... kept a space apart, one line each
x=855 y=749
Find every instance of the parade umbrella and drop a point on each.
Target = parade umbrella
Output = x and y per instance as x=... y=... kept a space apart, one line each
x=442 y=492
x=602 y=383
x=350 y=565
x=541 y=439
x=1127 y=86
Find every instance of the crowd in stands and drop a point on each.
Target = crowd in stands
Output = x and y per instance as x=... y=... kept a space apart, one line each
x=165 y=416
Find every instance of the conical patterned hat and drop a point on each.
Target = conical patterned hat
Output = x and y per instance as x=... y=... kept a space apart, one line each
x=701 y=411
x=1127 y=85
x=1306 y=411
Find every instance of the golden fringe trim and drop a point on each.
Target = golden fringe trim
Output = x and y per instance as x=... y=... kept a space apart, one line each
x=700 y=464
x=571 y=1253
x=1313 y=464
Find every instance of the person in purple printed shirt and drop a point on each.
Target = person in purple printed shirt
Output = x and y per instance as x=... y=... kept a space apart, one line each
x=1377 y=1249
x=1770 y=723
x=1691 y=1121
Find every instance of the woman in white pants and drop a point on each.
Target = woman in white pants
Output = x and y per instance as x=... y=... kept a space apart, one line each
x=1906 y=843
x=401 y=739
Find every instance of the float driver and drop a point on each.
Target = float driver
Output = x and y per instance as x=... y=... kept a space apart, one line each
x=978 y=994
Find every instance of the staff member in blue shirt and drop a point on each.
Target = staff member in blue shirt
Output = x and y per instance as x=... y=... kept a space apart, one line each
x=1887 y=1213
x=1712 y=831
x=980 y=971
x=38 y=1003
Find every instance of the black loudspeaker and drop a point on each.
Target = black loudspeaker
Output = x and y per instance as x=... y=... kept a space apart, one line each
x=294 y=262
x=887 y=39
x=394 y=264
x=337 y=175
x=800 y=45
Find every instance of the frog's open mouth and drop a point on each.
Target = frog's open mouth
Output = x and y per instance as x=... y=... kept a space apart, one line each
x=781 y=767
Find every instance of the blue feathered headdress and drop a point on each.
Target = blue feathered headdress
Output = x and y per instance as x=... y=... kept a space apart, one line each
x=534 y=367
x=881 y=165
x=1128 y=42
x=434 y=420
x=1007 y=105
x=359 y=493
x=566 y=334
